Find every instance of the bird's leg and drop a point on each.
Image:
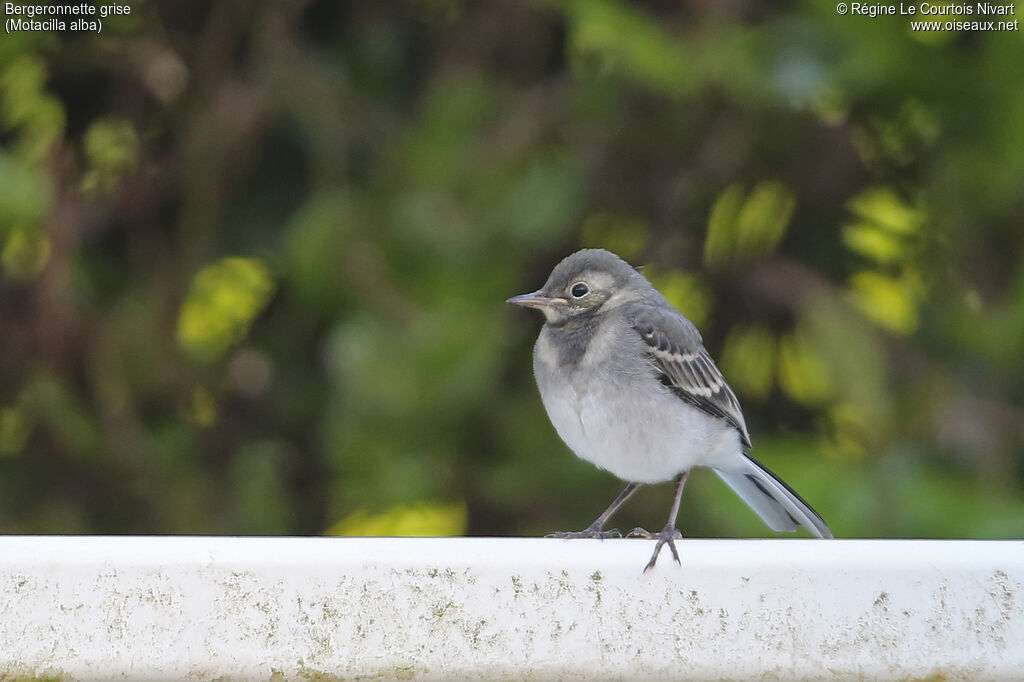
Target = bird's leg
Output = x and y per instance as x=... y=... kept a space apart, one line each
x=669 y=534
x=594 y=530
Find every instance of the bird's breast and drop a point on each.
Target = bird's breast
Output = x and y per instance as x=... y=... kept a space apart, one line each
x=561 y=391
x=610 y=410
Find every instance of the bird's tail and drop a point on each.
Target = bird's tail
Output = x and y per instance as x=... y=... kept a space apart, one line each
x=774 y=501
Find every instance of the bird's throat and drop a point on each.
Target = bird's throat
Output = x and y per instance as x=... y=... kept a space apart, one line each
x=569 y=342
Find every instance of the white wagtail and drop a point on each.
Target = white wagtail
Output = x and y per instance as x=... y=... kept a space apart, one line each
x=629 y=387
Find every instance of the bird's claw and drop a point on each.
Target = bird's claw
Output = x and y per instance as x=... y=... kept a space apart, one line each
x=667 y=536
x=593 y=531
x=648 y=535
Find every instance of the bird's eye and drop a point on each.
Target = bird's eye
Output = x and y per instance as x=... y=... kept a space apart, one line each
x=579 y=290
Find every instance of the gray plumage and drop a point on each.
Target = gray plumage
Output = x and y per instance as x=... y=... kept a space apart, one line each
x=629 y=386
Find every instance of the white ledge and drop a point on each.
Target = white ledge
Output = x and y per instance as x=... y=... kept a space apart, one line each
x=174 y=608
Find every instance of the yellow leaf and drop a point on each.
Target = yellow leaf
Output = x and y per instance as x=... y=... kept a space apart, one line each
x=221 y=305
x=763 y=220
x=874 y=242
x=882 y=206
x=885 y=300
x=421 y=519
x=741 y=228
x=720 y=242
x=25 y=252
x=748 y=360
x=685 y=291
x=803 y=375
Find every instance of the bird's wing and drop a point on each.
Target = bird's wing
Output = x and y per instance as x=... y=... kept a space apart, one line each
x=678 y=354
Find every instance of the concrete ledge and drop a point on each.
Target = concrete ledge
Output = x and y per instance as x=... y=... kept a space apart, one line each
x=175 y=608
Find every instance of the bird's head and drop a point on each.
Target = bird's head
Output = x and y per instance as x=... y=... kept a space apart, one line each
x=585 y=284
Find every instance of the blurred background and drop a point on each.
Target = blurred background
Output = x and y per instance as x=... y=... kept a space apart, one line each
x=254 y=258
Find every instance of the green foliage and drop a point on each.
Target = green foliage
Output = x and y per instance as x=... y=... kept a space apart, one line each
x=803 y=374
x=258 y=479
x=742 y=228
x=615 y=38
x=111 y=149
x=625 y=236
x=314 y=247
x=834 y=202
x=25 y=193
x=37 y=117
x=14 y=431
x=541 y=201
x=36 y=121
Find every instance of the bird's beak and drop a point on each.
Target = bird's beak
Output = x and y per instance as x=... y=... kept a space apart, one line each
x=535 y=300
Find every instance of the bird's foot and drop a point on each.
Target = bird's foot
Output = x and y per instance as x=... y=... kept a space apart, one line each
x=592 y=531
x=667 y=536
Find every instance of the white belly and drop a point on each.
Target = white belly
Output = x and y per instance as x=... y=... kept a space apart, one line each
x=638 y=431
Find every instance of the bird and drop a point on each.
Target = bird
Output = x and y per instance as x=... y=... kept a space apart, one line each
x=629 y=387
